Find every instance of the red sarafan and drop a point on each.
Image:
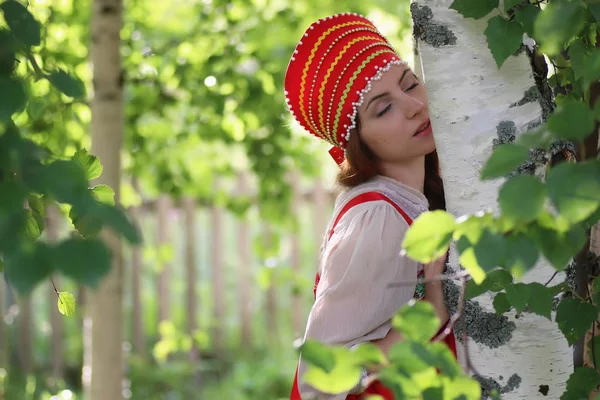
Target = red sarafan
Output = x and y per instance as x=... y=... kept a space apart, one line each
x=376 y=387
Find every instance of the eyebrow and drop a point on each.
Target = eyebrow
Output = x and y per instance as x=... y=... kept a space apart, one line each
x=385 y=93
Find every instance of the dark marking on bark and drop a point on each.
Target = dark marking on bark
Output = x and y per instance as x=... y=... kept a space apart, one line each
x=488 y=385
x=483 y=327
x=537 y=158
x=544 y=389
x=425 y=29
x=122 y=77
x=531 y=95
x=107 y=9
x=540 y=74
x=507 y=133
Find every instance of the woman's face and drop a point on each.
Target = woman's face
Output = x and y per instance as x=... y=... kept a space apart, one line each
x=392 y=114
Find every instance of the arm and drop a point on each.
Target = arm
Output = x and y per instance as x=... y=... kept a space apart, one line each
x=354 y=302
x=434 y=293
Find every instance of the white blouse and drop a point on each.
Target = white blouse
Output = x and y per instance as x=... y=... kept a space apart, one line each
x=354 y=303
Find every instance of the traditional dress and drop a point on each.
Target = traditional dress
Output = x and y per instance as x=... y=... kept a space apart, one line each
x=326 y=81
x=360 y=257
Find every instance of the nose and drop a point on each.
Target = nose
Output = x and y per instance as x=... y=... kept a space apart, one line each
x=413 y=106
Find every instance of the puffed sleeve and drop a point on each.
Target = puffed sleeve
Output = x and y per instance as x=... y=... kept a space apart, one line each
x=354 y=302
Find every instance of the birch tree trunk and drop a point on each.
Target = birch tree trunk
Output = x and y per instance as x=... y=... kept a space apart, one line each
x=473 y=105
x=106 y=302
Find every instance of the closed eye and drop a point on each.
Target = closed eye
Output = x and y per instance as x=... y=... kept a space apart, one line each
x=386 y=109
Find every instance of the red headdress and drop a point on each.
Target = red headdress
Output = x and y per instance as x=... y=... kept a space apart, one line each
x=331 y=71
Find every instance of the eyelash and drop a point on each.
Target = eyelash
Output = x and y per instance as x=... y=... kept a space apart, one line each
x=387 y=108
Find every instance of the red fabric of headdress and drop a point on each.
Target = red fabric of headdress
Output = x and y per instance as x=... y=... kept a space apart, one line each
x=330 y=71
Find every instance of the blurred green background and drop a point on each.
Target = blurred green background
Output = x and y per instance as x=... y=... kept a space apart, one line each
x=226 y=188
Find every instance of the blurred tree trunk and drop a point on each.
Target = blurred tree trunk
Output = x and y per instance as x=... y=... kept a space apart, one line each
x=139 y=345
x=244 y=271
x=105 y=304
x=472 y=104
x=163 y=207
x=191 y=299
x=217 y=266
x=25 y=334
x=56 y=319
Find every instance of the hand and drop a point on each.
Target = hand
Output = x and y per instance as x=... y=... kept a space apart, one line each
x=435 y=268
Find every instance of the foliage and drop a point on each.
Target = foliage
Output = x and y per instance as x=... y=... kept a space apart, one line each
x=496 y=250
x=33 y=176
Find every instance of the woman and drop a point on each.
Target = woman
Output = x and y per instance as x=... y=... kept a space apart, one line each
x=346 y=84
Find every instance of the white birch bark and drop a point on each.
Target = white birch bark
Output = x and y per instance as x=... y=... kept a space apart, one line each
x=469 y=96
x=105 y=318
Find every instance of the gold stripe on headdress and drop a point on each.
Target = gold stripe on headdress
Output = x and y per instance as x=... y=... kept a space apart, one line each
x=328 y=74
x=309 y=62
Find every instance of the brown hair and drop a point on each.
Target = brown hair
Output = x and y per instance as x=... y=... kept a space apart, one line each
x=360 y=165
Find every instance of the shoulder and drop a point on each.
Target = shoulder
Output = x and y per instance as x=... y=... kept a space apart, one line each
x=369 y=212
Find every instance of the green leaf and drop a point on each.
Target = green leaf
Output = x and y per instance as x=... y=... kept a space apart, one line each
x=437 y=354
x=575 y=189
x=433 y=393
x=66 y=303
x=581 y=383
x=595 y=11
x=90 y=163
x=572 y=121
x=495 y=281
x=65 y=181
x=559 y=248
x=520 y=187
x=86 y=261
x=403 y=354
x=501 y=303
x=104 y=194
x=368 y=353
x=538 y=138
x=574 y=318
x=417 y=321
x=468 y=260
x=32 y=229
x=490 y=250
x=8 y=48
x=343 y=377
x=117 y=220
x=521 y=254
x=557 y=23
x=593 y=349
x=504 y=160
x=21 y=23
x=13 y=97
x=518 y=295
x=596 y=292
x=318 y=354
x=526 y=17
x=591 y=67
x=27 y=266
x=69 y=85
x=38 y=210
x=504 y=38
x=429 y=236
x=474 y=8
x=540 y=301
x=577 y=54
x=462 y=388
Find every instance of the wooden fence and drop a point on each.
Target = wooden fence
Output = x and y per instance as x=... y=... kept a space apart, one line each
x=201 y=268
